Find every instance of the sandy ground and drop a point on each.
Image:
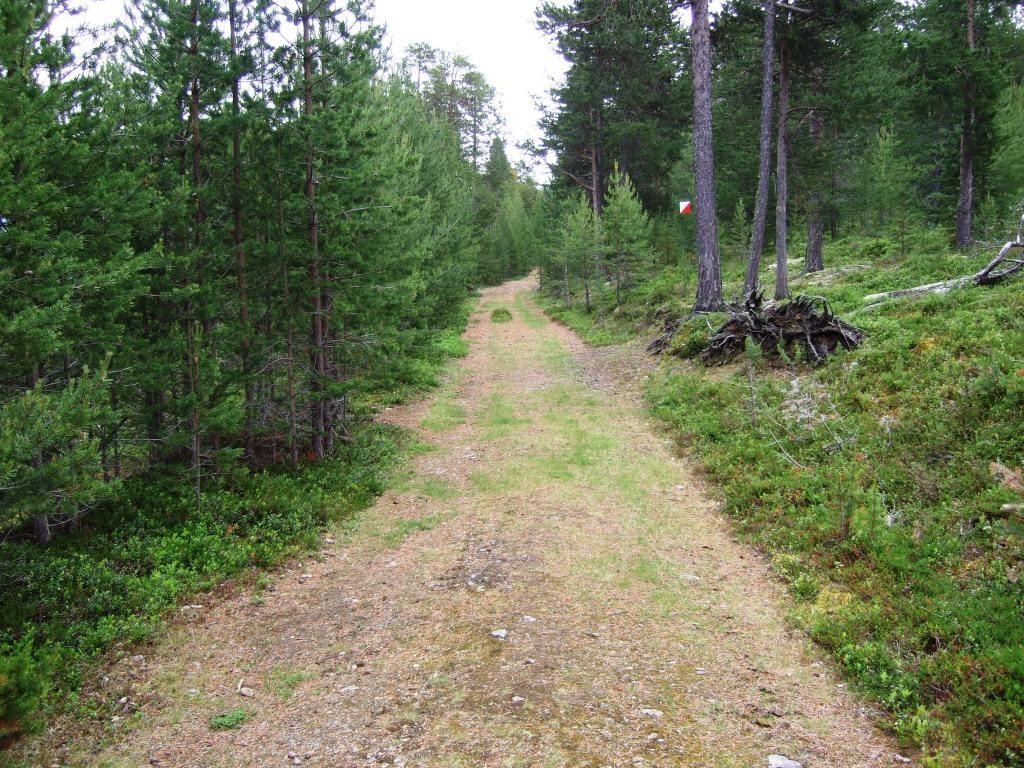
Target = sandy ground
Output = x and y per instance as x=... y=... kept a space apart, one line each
x=633 y=630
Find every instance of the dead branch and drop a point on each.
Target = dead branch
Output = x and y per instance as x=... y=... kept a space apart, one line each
x=997 y=270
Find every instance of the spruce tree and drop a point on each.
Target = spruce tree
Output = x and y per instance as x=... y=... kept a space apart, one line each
x=627 y=231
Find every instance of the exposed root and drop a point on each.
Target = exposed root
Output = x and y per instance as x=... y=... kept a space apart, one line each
x=806 y=324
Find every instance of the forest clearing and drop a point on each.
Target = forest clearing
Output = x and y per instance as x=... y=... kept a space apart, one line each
x=562 y=383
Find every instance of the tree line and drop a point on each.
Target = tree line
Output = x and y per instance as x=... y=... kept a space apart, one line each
x=223 y=231
x=875 y=116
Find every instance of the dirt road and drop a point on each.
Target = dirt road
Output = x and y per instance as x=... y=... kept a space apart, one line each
x=549 y=586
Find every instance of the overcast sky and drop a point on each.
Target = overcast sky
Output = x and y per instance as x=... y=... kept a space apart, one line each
x=498 y=36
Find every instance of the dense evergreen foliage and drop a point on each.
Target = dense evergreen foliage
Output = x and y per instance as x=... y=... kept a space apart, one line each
x=226 y=237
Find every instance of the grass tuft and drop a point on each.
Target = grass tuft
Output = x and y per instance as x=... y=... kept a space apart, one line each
x=228 y=721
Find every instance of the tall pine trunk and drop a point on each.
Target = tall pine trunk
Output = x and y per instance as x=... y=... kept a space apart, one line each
x=293 y=420
x=239 y=237
x=813 y=257
x=781 y=177
x=40 y=522
x=965 y=206
x=317 y=406
x=596 y=171
x=192 y=342
x=765 y=166
x=709 y=274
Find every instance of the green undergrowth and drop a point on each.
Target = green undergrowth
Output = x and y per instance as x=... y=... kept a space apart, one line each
x=228 y=721
x=871 y=482
x=112 y=584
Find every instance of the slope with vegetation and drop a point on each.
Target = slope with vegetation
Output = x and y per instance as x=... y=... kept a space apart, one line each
x=886 y=483
x=876 y=482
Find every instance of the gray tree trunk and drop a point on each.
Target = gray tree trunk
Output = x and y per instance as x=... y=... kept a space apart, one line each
x=318 y=414
x=709 y=270
x=781 y=178
x=238 y=237
x=765 y=166
x=596 y=170
x=965 y=206
x=813 y=258
x=40 y=523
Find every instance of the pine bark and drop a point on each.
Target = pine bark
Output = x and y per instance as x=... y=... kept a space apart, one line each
x=965 y=205
x=813 y=258
x=317 y=407
x=41 y=522
x=709 y=275
x=238 y=237
x=596 y=172
x=764 y=167
x=781 y=177
x=192 y=343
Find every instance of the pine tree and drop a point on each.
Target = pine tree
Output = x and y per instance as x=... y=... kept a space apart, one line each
x=575 y=247
x=709 y=278
x=622 y=100
x=627 y=232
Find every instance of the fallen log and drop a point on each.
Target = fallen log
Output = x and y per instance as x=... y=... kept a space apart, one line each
x=997 y=270
x=944 y=286
x=806 y=325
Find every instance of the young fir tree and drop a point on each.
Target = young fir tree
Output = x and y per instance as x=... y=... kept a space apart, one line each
x=1007 y=166
x=626 y=230
x=61 y=288
x=573 y=257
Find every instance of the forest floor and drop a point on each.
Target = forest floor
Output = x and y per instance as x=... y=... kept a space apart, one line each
x=550 y=585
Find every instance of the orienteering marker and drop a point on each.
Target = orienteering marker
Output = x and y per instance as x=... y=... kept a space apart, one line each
x=685 y=207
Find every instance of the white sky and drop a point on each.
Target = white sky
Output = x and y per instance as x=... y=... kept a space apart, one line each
x=498 y=36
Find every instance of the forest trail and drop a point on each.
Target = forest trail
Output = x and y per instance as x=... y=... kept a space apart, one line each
x=637 y=631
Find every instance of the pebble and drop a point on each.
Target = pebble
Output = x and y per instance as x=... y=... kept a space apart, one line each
x=518 y=699
x=246 y=691
x=651 y=712
x=781 y=761
x=138 y=659
x=902 y=759
x=529 y=619
x=500 y=634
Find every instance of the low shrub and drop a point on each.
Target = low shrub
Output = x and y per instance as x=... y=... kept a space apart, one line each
x=144 y=551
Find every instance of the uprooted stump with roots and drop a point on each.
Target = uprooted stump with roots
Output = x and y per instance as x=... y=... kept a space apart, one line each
x=803 y=327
